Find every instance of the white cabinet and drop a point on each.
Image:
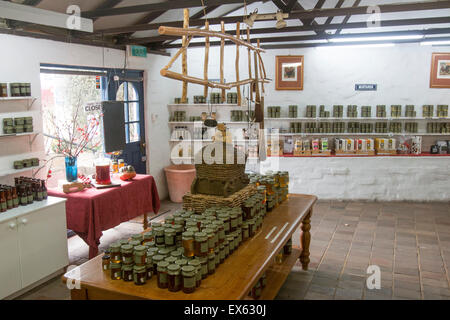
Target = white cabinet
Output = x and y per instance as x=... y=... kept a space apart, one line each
x=10 y=277
x=33 y=244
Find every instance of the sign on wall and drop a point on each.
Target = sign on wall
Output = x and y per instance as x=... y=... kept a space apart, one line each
x=137 y=51
x=366 y=87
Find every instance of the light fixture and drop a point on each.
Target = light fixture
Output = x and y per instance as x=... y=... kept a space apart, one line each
x=280 y=21
x=435 y=43
x=388 y=38
x=19 y=12
x=374 y=45
x=250 y=20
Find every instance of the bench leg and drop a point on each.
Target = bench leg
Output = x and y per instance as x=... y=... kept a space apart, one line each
x=305 y=240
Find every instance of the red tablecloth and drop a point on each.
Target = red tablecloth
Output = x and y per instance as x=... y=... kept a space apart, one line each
x=92 y=211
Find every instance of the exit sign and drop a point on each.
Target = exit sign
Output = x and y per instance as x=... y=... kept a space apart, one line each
x=137 y=51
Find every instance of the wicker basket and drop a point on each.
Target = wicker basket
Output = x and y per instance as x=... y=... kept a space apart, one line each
x=199 y=202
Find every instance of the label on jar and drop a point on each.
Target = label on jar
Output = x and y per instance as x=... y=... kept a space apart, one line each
x=116 y=257
x=30 y=199
x=3 y=206
x=188 y=282
x=116 y=274
x=130 y=277
x=105 y=267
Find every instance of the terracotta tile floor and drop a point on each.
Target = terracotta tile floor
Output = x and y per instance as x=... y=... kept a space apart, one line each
x=409 y=242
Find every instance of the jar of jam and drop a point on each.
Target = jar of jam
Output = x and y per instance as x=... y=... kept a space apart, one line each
x=178 y=234
x=140 y=255
x=157 y=258
x=239 y=237
x=127 y=254
x=181 y=262
x=220 y=230
x=127 y=272
x=245 y=234
x=174 y=277
x=169 y=237
x=189 y=279
x=159 y=235
x=162 y=274
x=123 y=241
x=114 y=252
x=105 y=262
x=200 y=244
x=226 y=221
x=251 y=228
x=226 y=245
x=210 y=234
x=191 y=223
x=211 y=263
x=233 y=221
x=139 y=275
x=147 y=237
x=204 y=266
x=188 y=243
x=198 y=271
x=116 y=270
x=137 y=237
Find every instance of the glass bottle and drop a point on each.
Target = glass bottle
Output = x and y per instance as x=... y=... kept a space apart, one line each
x=3 y=202
x=189 y=280
x=30 y=194
x=9 y=199
x=23 y=195
x=139 y=275
x=174 y=277
x=39 y=193
x=127 y=272
x=44 y=190
x=162 y=274
x=15 y=197
x=201 y=244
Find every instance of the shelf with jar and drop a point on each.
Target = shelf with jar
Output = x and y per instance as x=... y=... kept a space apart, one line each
x=17 y=163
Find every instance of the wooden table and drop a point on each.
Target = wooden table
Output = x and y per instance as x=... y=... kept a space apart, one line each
x=233 y=279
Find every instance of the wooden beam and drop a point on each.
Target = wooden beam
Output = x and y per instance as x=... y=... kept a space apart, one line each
x=293 y=15
x=179 y=4
x=249 y=64
x=238 y=89
x=347 y=17
x=184 y=57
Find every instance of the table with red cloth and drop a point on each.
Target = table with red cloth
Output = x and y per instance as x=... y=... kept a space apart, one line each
x=91 y=211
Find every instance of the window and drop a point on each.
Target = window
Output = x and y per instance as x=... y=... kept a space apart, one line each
x=129 y=95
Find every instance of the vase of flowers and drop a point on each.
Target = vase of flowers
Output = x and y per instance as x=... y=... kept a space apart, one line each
x=71 y=169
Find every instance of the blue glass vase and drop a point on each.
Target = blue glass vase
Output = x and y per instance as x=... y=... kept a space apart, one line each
x=71 y=169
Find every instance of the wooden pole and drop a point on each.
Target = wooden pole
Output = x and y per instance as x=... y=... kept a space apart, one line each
x=259 y=113
x=222 y=47
x=249 y=64
x=238 y=89
x=184 y=56
x=205 y=69
x=260 y=68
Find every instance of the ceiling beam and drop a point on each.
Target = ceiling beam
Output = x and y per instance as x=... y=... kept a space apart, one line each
x=293 y=15
x=179 y=4
x=106 y=4
x=434 y=31
x=347 y=17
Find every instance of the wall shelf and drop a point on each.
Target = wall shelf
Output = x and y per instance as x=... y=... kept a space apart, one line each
x=360 y=134
x=16 y=98
x=357 y=119
x=19 y=134
x=5 y=173
x=205 y=105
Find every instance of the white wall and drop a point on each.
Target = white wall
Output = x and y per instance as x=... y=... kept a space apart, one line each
x=401 y=72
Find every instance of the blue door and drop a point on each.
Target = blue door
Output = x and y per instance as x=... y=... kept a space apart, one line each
x=127 y=86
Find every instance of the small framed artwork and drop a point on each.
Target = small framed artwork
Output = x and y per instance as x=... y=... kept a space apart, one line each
x=440 y=70
x=289 y=73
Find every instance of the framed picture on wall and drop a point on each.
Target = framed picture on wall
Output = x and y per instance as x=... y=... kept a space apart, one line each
x=440 y=70
x=289 y=72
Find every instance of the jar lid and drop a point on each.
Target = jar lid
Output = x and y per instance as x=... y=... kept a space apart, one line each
x=156 y=225
x=140 y=248
x=135 y=243
x=188 y=270
x=163 y=251
x=179 y=220
x=115 y=246
x=158 y=257
x=208 y=231
x=136 y=236
x=203 y=259
x=194 y=262
x=194 y=230
x=218 y=223
x=177 y=227
x=126 y=247
x=106 y=257
x=187 y=235
x=162 y=264
x=181 y=262
x=201 y=236
x=170 y=259
x=170 y=232
x=173 y=267
x=176 y=253
x=211 y=255
x=148 y=235
x=153 y=250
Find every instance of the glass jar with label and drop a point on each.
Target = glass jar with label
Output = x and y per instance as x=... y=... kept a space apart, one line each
x=105 y=262
x=139 y=275
x=189 y=280
x=127 y=254
x=247 y=209
x=140 y=255
x=162 y=274
x=174 y=277
x=116 y=270
x=200 y=244
x=239 y=237
x=220 y=231
x=169 y=237
x=127 y=272
x=188 y=243
x=204 y=266
x=114 y=252
x=149 y=269
x=178 y=233
x=157 y=258
x=211 y=263
x=210 y=234
x=156 y=225
x=159 y=235
x=147 y=237
x=226 y=222
x=198 y=271
x=178 y=221
x=217 y=258
x=215 y=230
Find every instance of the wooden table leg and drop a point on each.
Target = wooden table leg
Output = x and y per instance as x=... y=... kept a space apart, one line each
x=305 y=240
x=145 y=221
x=78 y=294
